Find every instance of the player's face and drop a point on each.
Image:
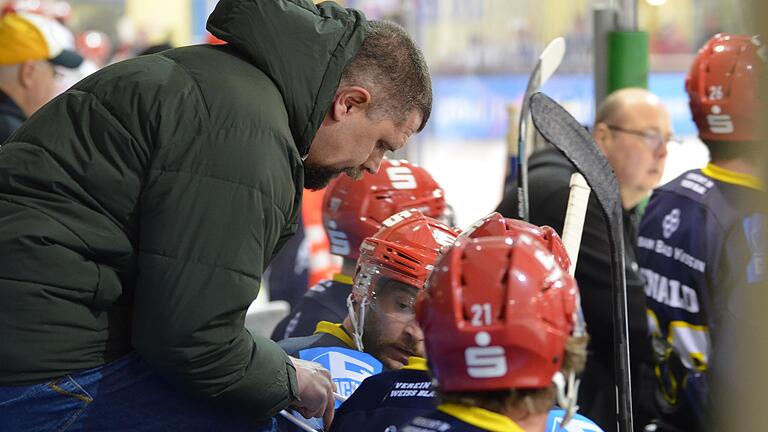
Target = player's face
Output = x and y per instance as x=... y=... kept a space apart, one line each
x=636 y=147
x=354 y=142
x=391 y=332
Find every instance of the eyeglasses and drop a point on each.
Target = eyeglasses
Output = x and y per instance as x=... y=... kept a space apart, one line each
x=652 y=139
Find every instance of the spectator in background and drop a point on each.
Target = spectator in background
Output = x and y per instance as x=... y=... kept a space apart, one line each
x=31 y=47
x=632 y=128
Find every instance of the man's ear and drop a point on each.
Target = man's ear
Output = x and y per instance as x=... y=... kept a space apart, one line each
x=601 y=134
x=26 y=74
x=349 y=100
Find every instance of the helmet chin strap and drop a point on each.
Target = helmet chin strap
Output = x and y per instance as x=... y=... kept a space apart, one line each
x=357 y=324
x=567 y=393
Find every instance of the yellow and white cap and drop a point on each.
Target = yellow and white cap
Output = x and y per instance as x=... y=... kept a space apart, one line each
x=29 y=37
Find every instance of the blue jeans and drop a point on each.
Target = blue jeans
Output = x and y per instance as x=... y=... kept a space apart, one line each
x=124 y=395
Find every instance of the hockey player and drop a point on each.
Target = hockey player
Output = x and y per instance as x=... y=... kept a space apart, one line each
x=385 y=401
x=352 y=211
x=380 y=329
x=498 y=319
x=702 y=238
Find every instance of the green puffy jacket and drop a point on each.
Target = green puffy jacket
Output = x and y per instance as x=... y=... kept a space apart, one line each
x=139 y=208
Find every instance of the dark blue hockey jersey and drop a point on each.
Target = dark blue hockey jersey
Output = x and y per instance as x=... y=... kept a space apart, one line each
x=386 y=401
x=701 y=241
x=459 y=418
x=333 y=348
x=326 y=301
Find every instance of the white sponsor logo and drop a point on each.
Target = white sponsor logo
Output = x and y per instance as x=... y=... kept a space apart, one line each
x=671 y=223
x=719 y=123
x=485 y=361
x=395 y=218
x=670 y=292
x=401 y=177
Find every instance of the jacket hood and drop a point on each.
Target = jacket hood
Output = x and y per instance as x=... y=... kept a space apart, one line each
x=302 y=47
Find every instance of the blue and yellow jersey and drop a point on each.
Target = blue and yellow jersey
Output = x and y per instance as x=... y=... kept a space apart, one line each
x=326 y=301
x=701 y=241
x=385 y=401
x=333 y=348
x=393 y=399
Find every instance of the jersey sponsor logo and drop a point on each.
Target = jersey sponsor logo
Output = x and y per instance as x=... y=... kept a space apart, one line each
x=670 y=292
x=754 y=231
x=719 y=123
x=485 y=361
x=578 y=423
x=697 y=183
x=676 y=253
x=670 y=223
x=412 y=389
x=428 y=423
x=348 y=367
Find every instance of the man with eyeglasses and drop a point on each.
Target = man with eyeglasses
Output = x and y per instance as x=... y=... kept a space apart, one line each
x=380 y=330
x=632 y=128
x=31 y=46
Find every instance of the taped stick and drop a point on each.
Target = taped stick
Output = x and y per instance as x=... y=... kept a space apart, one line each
x=575 y=214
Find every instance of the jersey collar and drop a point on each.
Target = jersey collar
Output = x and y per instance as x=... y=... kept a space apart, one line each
x=342 y=278
x=733 y=177
x=336 y=330
x=417 y=364
x=481 y=418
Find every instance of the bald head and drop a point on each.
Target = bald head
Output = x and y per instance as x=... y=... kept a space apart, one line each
x=632 y=127
x=615 y=107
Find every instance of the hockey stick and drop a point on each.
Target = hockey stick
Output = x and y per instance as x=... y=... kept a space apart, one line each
x=559 y=128
x=300 y=423
x=548 y=62
x=297 y=421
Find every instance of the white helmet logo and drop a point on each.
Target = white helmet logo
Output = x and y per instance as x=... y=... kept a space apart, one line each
x=719 y=123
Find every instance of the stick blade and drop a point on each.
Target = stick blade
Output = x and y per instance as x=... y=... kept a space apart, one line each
x=551 y=58
x=559 y=128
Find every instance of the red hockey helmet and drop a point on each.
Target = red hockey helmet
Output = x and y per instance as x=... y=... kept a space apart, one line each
x=497 y=315
x=354 y=210
x=404 y=249
x=497 y=225
x=722 y=88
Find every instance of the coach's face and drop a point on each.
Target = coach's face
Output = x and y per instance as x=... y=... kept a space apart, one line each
x=351 y=140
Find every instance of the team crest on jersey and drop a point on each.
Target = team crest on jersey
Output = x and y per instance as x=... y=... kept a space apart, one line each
x=671 y=223
x=348 y=367
x=754 y=232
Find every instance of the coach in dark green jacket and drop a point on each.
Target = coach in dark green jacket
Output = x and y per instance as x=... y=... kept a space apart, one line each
x=139 y=209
